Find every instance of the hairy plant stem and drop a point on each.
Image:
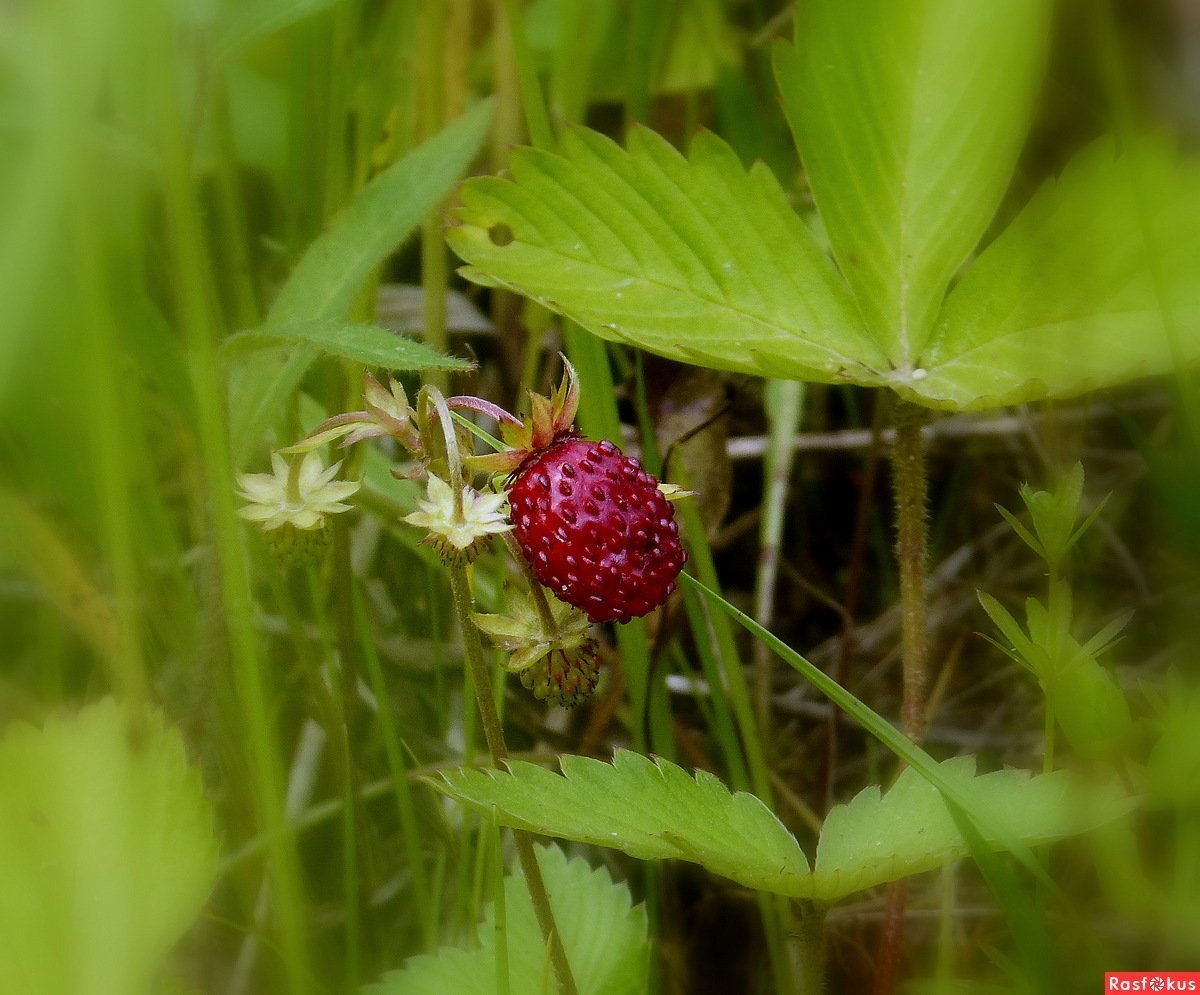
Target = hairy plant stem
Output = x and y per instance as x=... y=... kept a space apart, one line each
x=494 y=734
x=910 y=490
x=812 y=948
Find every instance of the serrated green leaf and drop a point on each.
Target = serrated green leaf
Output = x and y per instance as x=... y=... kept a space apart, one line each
x=333 y=270
x=694 y=258
x=655 y=810
x=107 y=851
x=908 y=118
x=650 y=809
x=874 y=839
x=604 y=936
x=360 y=343
x=1093 y=284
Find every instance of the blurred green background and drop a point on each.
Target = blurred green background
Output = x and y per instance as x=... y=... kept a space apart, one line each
x=164 y=164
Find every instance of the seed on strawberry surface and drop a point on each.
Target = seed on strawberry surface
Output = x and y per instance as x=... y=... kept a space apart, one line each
x=577 y=500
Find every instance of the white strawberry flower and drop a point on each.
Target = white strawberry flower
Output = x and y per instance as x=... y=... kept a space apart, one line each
x=460 y=533
x=300 y=493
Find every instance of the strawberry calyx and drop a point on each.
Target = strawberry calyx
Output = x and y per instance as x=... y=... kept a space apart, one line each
x=552 y=652
x=551 y=418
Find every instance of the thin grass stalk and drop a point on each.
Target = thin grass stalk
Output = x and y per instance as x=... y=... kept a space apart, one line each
x=393 y=748
x=435 y=273
x=639 y=60
x=231 y=206
x=777 y=472
x=749 y=761
x=537 y=120
x=346 y=697
x=191 y=286
x=733 y=675
x=500 y=905
x=108 y=423
x=494 y=734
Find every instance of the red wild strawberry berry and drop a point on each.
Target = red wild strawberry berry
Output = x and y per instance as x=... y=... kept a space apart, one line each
x=596 y=529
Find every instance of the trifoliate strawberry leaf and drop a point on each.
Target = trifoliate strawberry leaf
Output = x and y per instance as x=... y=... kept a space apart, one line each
x=652 y=809
x=909 y=118
x=693 y=258
x=603 y=934
x=107 y=851
x=1091 y=285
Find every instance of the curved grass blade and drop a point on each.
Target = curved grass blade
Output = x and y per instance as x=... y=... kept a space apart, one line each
x=323 y=285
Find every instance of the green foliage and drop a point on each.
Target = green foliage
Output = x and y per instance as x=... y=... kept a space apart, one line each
x=1054 y=515
x=324 y=283
x=1173 y=768
x=165 y=167
x=651 y=809
x=256 y=19
x=1081 y=694
x=692 y=258
x=879 y=837
x=1091 y=285
x=655 y=810
x=698 y=260
x=107 y=851
x=604 y=935
x=909 y=118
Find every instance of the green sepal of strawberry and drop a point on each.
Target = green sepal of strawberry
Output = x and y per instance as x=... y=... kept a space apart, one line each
x=549 y=418
x=387 y=414
x=521 y=633
x=561 y=665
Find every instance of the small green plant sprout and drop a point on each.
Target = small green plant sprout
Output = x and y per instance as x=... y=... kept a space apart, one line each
x=1080 y=694
x=292 y=503
x=1055 y=514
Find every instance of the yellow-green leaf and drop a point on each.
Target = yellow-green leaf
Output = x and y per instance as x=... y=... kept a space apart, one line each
x=107 y=851
x=693 y=258
x=908 y=117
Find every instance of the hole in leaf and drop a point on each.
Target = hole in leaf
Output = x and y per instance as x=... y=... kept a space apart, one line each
x=501 y=234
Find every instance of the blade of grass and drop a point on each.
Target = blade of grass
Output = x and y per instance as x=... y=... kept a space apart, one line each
x=1025 y=920
x=191 y=279
x=410 y=827
x=785 y=402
